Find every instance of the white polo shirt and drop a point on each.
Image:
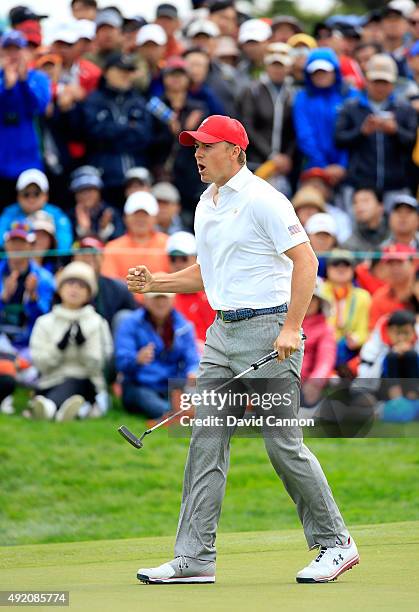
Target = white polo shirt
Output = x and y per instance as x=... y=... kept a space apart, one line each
x=241 y=242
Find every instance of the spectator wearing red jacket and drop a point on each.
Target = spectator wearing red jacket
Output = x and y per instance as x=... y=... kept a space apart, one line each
x=181 y=249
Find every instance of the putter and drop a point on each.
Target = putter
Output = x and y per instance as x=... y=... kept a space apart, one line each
x=138 y=442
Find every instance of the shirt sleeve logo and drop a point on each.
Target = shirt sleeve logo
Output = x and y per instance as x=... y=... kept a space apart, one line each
x=294 y=229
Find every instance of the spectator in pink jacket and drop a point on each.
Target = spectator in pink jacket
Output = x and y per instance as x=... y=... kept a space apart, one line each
x=320 y=349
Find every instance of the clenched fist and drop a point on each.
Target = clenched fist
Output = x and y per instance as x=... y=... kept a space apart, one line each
x=139 y=280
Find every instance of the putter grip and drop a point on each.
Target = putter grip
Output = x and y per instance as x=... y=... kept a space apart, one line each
x=130 y=437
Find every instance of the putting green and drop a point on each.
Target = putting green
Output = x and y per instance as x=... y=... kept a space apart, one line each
x=256 y=571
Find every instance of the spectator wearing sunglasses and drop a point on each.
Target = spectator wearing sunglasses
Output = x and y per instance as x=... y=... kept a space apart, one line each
x=32 y=195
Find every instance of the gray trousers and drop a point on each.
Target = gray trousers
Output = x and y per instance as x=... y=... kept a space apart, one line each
x=229 y=349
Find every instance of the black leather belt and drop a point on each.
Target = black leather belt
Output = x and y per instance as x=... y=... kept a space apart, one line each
x=247 y=313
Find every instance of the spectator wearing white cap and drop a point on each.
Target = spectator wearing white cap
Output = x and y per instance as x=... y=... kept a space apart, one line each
x=151 y=45
x=108 y=39
x=140 y=242
x=32 y=195
x=322 y=231
x=169 y=219
x=181 y=249
x=93 y=216
x=24 y=97
x=137 y=179
x=253 y=39
x=370 y=226
x=266 y=111
x=43 y=227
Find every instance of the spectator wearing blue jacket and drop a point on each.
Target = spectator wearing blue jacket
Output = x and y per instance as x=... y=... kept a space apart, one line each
x=26 y=289
x=32 y=195
x=315 y=112
x=153 y=345
x=24 y=96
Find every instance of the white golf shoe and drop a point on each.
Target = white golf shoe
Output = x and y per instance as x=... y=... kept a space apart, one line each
x=330 y=563
x=42 y=408
x=69 y=408
x=181 y=570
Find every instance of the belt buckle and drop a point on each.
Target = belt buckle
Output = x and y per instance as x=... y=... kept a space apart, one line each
x=222 y=317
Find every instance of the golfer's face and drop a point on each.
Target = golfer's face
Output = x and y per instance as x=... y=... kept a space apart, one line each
x=213 y=160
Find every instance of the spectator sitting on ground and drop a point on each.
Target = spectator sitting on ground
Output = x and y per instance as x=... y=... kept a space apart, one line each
x=390 y=357
x=370 y=222
x=137 y=179
x=24 y=96
x=93 y=216
x=181 y=248
x=70 y=347
x=315 y=112
x=32 y=195
x=379 y=132
x=318 y=178
x=26 y=289
x=350 y=307
x=112 y=295
x=153 y=345
x=404 y=221
x=43 y=227
x=319 y=350
x=141 y=242
x=108 y=37
x=168 y=198
x=400 y=274
x=322 y=232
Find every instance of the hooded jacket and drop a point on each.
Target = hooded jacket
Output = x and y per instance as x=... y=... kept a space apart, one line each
x=315 y=112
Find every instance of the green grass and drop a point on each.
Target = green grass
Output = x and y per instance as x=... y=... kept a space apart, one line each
x=255 y=571
x=64 y=482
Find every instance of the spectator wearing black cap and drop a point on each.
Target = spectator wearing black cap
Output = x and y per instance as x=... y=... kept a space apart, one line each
x=24 y=96
x=24 y=20
x=404 y=221
x=167 y=17
x=118 y=127
x=108 y=38
x=92 y=216
x=378 y=131
x=84 y=9
x=20 y=14
x=283 y=27
x=224 y=15
x=395 y=27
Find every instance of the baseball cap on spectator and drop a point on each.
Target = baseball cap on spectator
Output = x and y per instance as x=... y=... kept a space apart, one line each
x=13 y=38
x=288 y=20
x=278 y=52
x=159 y=294
x=403 y=7
x=109 y=17
x=139 y=174
x=220 y=5
x=217 y=128
x=203 y=26
x=320 y=64
x=18 y=14
x=398 y=251
x=302 y=39
x=414 y=49
x=20 y=229
x=152 y=32
x=166 y=10
x=85 y=29
x=314 y=172
x=181 y=243
x=254 y=30
x=41 y=220
x=121 y=61
x=32 y=177
x=90 y=242
x=166 y=192
x=64 y=32
x=382 y=67
x=404 y=199
x=133 y=24
x=89 y=180
x=175 y=64
x=321 y=222
x=81 y=271
x=338 y=256
x=309 y=196
x=31 y=30
x=141 y=200
x=226 y=47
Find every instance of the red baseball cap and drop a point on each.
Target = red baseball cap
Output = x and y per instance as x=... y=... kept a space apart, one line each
x=31 y=30
x=399 y=251
x=217 y=128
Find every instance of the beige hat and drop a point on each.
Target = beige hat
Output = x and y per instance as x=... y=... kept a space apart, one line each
x=80 y=271
x=159 y=294
x=41 y=220
x=309 y=196
x=382 y=67
x=225 y=47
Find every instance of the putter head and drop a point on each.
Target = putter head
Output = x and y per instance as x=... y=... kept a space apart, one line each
x=130 y=437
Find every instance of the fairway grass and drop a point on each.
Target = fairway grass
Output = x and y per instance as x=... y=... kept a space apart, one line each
x=255 y=571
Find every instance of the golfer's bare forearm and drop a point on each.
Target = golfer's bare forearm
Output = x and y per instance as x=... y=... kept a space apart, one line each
x=303 y=283
x=188 y=280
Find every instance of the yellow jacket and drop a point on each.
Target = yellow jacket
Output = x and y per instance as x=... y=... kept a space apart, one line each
x=349 y=315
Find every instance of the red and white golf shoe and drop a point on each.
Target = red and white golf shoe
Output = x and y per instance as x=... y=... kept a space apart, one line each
x=330 y=563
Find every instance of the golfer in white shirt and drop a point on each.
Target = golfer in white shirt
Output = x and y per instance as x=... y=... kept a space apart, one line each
x=258 y=270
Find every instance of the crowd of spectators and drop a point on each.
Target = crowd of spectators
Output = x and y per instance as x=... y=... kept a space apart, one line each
x=93 y=181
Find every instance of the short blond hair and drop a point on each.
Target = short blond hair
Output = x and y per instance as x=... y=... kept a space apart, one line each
x=241 y=159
